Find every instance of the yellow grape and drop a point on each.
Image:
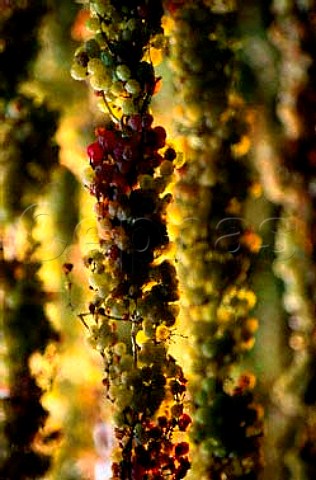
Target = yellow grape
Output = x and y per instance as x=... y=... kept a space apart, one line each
x=119 y=349
x=97 y=280
x=162 y=333
x=95 y=66
x=88 y=176
x=78 y=72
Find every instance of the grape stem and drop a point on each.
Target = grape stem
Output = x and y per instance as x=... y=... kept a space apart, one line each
x=114 y=118
x=81 y=317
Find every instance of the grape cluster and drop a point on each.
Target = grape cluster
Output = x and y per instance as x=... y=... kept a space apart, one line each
x=293 y=30
x=29 y=151
x=132 y=314
x=130 y=167
x=217 y=246
x=131 y=207
x=28 y=156
x=26 y=330
x=155 y=455
x=19 y=27
x=116 y=60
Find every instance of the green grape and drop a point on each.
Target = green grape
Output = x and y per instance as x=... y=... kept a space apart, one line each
x=123 y=398
x=208 y=446
x=92 y=48
x=129 y=376
x=132 y=24
x=165 y=202
x=104 y=291
x=203 y=416
x=119 y=349
x=105 y=330
x=99 y=7
x=99 y=37
x=119 y=419
x=111 y=30
x=209 y=385
x=95 y=66
x=79 y=51
x=106 y=57
x=94 y=331
x=100 y=82
x=114 y=373
x=133 y=87
x=128 y=107
x=117 y=88
x=166 y=168
x=123 y=72
x=209 y=349
x=93 y=24
x=117 y=310
x=96 y=300
x=146 y=182
x=111 y=13
x=97 y=280
x=149 y=328
x=88 y=176
x=114 y=391
x=126 y=362
x=201 y=397
x=94 y=256
x=109 y=98
x=92 y=342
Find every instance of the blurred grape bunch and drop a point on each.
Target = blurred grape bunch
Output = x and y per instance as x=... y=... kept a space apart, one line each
x=73 y=397
x=133 y=312
x=28 y=154
x=20 y=20
x=216 y=245
x=26 y=330
x=286 y=161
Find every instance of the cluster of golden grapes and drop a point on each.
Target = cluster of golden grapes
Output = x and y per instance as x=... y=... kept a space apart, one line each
x=216 y=244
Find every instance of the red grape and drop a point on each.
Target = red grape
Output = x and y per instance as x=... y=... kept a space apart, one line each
x=95 y=153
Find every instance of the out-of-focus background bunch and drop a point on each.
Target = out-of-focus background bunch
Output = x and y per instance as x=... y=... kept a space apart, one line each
x=49 y=379
x=54 y=423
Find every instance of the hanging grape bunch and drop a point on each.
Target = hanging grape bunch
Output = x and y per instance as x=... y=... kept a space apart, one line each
x=214 y=191
x=133 y=312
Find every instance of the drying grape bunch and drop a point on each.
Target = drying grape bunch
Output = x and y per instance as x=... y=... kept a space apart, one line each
x=132 y=314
